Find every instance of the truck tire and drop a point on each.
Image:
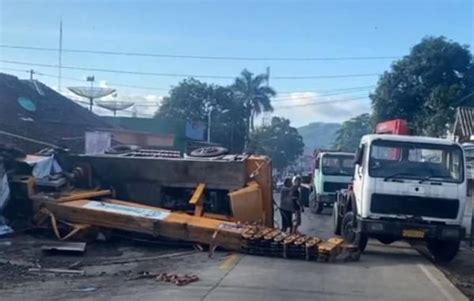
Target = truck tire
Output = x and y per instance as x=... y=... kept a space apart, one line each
x=312 y=202
x=210 y=151
x=319 y=206
x=443 y=250
x=336 y=220
x=348 y=231
x=315 y=206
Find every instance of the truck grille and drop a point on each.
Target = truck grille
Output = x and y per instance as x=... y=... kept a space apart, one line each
x=333 y=186
x=413 y=205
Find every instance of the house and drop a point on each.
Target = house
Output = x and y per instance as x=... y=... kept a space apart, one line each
x=33 y=117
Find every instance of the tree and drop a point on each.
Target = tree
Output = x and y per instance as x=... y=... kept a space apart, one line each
x=187 y=101
x=254 y=95
x=348 y=136
x=279 y=140
x=425 y=86
x=191 y=100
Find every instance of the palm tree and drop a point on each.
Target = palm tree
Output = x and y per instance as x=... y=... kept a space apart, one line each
x=254 y=94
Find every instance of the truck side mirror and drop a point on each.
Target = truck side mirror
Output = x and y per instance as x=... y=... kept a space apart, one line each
x=359 y=156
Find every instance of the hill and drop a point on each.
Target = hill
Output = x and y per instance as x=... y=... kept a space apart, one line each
x=318 y=135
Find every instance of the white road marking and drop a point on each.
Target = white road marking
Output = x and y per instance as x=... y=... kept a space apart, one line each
x=442 y=288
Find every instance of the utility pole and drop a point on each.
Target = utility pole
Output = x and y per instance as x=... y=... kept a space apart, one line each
x=31 y=74
x=209 y=124
x=91 y=99
x=60 y=54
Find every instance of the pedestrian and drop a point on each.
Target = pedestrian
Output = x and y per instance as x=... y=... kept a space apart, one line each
x=297 y=206
x=286 y=206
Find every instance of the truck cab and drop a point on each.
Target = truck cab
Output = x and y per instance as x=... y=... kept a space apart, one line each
x=332 y=171
x=405 y=188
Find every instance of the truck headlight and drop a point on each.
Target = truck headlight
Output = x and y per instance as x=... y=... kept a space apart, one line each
x=375 y=227
x=450 y=233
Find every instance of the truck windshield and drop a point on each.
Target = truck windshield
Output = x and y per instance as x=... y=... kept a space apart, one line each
x=338 y=165
x=423 y=161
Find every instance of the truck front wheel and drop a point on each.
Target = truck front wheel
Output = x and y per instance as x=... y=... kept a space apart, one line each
x=349 y=233
x=443 y=251
x=336 y=220
x=316 y=206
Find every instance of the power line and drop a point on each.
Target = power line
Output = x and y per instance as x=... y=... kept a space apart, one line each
x=83 y=80
x=327 y=92
x=286 y=99
x=182 y=75
x=321 y=102
x=203 y=57
x=326 y=76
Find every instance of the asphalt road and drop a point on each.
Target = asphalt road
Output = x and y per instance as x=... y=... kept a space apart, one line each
x=395 y=272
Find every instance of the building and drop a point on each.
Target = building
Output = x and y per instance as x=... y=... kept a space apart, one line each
x=33 y=117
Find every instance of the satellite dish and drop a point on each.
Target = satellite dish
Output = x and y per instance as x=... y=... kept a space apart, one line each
x=114 y=105
x=91 y=92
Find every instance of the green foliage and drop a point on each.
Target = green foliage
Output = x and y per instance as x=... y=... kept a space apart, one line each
x=192 y=99
x=425 y=86
x=318 y=135
x=348 y=136
x=254 y=95
x=279 y=140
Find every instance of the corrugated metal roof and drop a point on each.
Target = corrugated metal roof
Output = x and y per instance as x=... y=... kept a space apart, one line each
x=464 y=125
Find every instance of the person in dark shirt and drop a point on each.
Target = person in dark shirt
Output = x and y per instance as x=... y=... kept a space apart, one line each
x=297 y=206
x=286 y=206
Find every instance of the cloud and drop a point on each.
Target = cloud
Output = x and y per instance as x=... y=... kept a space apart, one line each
x=303 y=108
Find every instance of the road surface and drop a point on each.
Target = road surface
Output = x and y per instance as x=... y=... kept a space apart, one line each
x=395 y=272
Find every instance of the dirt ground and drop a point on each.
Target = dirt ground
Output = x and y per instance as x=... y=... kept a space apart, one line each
x=107 y=266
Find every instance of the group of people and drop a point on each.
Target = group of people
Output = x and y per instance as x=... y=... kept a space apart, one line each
x=290 y=205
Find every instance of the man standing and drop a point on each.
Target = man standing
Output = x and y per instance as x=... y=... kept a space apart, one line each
x=297 y=206
x=286 y=206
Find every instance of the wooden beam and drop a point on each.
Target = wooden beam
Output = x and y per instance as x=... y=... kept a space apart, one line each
x=83 y=194
x=197 y=199
x=149 y=220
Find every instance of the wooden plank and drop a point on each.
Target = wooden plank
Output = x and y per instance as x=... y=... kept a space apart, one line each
x=197 y=199
x=198 y=194
x=83 y=194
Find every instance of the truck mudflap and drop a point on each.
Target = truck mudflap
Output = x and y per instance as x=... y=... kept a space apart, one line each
x=399 y=229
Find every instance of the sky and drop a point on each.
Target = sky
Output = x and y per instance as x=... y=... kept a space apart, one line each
x=380 y=29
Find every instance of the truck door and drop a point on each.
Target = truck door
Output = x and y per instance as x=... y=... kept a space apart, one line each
x=358 y=183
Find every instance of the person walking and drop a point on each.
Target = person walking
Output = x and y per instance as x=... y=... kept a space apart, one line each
x=286 y=206
x=298 y=208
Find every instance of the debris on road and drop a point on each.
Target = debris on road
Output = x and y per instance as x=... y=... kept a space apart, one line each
x=68 y=247
x=87 y=289
x=59 y=271
x=178 y=279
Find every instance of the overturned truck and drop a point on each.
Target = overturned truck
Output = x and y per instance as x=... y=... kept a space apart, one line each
x=224 y=201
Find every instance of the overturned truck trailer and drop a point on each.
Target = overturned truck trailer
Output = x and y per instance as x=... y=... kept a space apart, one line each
x=223 y=201
x=229 y=187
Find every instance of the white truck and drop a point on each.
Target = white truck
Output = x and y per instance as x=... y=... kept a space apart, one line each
x=332 y=171
x=405 y=187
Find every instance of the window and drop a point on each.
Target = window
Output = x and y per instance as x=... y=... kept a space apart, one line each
x=338 y=165
x=413 y=160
